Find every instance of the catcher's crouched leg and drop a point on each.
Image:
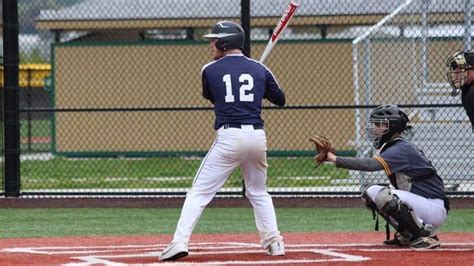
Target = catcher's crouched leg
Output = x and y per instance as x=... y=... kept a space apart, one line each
x=402 y=216
x=368 y=196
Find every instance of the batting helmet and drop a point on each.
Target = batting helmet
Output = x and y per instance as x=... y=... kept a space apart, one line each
x=459 y=65
x=385 y=121
x=229 y=35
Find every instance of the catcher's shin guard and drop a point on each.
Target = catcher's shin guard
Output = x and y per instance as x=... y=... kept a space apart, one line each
x=368 y=201
x=370 y=204
x=403 y=214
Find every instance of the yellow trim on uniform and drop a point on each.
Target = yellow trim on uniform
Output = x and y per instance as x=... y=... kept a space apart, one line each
x=384 y=164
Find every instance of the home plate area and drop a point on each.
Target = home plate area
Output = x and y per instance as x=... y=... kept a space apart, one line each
x=215 y=250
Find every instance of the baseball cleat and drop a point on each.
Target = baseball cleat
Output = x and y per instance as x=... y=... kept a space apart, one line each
x=398 y=240
x=426 y=243
x=276 y=248
x=174 y=251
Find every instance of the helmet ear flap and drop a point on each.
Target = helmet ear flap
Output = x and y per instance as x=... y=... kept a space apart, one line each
x=403 y=120
x=220 y=45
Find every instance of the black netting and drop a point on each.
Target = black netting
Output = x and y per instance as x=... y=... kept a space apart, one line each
x=110 y=91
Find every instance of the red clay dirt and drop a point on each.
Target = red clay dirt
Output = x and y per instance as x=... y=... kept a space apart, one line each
x=235 y=249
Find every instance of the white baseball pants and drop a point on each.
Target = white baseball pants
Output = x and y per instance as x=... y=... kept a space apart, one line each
x=232 y=147
x=428 y=211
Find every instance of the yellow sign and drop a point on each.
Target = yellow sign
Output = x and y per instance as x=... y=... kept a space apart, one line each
x=30 y=75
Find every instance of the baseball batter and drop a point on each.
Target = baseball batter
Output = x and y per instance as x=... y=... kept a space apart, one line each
x=236 y=85
x=461 y=77
x=415 y=204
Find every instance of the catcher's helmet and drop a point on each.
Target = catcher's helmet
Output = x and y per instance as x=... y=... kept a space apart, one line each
x=385 y=121
x=229 y=35
x=459 y=65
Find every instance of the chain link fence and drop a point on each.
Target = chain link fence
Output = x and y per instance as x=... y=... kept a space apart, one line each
x=110 y=91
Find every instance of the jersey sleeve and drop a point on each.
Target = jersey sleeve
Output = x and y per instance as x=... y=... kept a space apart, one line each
x=360 y=164
x=394 y=159
x=206 y=92
x=273 y=91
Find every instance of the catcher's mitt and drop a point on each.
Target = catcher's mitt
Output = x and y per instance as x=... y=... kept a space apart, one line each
x=323 y=146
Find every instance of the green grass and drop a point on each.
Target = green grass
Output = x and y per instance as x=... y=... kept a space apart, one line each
x=64 y=173
x=148 y=173
x=130 y=221
x=36 y=129
x=39 y=128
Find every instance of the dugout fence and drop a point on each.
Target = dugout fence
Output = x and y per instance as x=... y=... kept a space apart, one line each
x=118 y=110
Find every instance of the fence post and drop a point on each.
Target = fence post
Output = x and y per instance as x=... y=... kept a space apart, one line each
x=11 y=90
x=245 y=21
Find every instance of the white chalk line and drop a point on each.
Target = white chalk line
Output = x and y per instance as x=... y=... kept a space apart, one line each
x=337 y=257
x=201 y=245
x=100 y=254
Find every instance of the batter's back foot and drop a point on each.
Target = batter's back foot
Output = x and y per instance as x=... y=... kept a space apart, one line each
x=276 y=248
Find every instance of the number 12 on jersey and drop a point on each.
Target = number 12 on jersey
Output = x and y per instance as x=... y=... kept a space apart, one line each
x=246 y=86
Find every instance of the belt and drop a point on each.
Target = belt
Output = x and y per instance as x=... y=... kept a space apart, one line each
x=237 y=125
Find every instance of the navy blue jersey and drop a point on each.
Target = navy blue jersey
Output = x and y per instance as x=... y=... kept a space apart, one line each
x=467 y=98
x=237 y=85
x=409 y=169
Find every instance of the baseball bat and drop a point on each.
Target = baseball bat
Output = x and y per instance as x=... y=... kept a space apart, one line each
x=284 y=20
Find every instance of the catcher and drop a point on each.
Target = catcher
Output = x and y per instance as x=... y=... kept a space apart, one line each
x=461 y=77
x=415 y=203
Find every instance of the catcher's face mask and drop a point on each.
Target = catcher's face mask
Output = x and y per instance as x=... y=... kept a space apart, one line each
x=458 y=70
x=378 y=130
